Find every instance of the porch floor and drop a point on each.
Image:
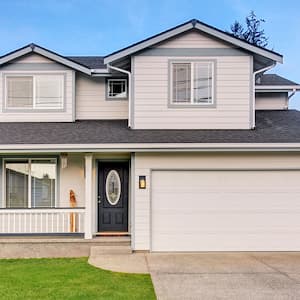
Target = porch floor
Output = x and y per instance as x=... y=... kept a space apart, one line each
x=55 y=246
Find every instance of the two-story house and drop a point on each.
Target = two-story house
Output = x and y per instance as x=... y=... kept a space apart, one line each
x=179 y=141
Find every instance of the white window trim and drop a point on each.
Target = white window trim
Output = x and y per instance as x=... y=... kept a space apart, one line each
x=34 y=76
x=192 y=103
x=29 y=159
x=114 y=97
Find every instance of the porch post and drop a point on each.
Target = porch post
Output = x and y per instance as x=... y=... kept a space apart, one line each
x=88 y=218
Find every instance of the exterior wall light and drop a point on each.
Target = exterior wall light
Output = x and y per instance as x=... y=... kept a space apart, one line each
x=142 y=182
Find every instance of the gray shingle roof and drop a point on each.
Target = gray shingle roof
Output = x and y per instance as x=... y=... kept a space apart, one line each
x=272 y=127
x=274 y=79
x=92 y=62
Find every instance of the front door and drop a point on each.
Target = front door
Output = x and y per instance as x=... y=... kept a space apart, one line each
x=113 y=196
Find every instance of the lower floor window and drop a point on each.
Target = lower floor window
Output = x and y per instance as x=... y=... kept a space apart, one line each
x=30 y=183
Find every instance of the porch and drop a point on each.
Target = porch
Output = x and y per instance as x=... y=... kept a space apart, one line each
x=36 y=199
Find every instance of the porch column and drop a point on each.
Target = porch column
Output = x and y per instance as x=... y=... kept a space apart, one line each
x=88 y=231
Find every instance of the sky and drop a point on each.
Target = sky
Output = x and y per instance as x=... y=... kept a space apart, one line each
x=99 y=27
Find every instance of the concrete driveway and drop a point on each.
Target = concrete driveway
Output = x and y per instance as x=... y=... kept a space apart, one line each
x=226 y=275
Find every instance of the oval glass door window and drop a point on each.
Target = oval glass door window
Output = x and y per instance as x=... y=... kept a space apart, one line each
x=113 y=187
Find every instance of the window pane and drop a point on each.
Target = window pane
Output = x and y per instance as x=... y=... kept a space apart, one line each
x=43 y=176
x=181 y=83
x=203 y=83
x=19 y=92
x=16 y=184
x=117 y=88
x=49 y=91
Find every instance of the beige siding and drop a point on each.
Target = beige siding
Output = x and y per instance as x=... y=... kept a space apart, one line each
x=91 y=102
x=193 y=40
x=65 y=115
x=33 y=58
x=72 y=178
x=145 y=162
x=151 y=95
x=271 y=101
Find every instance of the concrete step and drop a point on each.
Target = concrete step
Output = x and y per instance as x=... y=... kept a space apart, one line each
x=109 y=250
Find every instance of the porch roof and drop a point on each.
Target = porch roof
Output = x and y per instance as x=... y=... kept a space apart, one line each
x=271 y=127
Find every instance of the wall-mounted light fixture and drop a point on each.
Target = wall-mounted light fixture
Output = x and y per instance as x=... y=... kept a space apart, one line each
x=142 y=182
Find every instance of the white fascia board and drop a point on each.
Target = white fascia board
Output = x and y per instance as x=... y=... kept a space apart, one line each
x=277 y=87
x=239 y=43
x=100 y=71
x=61 y=60
x=15 y=55
x=148 y=43
x=155 y=147
x=211 y=31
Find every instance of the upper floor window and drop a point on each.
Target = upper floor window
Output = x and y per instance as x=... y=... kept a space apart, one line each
x=116 y=89
x=34 y=91
x=192 y=83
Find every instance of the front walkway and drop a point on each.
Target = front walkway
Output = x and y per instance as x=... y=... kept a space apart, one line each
x=215 y=275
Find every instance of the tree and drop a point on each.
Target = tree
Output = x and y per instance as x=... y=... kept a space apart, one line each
x=253 y=32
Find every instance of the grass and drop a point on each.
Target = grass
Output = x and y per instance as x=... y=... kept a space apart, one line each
x=68 y=278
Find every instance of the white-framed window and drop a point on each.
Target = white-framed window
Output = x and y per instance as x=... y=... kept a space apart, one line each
x=116 y=89
x=192 y=83
x=43 y=91
x=30 y=183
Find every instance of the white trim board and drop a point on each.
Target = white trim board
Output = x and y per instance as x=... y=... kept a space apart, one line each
x=197 y=25
x=151 y=147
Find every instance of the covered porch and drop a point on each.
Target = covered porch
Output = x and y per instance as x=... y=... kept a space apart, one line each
x=58 y=195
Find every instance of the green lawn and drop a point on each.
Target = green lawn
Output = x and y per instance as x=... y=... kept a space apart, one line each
x=68 y=278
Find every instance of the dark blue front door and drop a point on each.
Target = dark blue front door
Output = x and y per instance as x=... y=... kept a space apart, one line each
x=113 y=196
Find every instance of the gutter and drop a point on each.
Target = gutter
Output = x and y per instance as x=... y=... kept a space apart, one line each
x=129 y=89
x=149 y=147
x=253 y=89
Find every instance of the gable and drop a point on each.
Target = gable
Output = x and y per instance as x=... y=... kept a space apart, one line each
x=193 y=39
x=33 y=58
x=201 y=28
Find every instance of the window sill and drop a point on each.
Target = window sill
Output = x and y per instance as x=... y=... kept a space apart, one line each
x=192 y=106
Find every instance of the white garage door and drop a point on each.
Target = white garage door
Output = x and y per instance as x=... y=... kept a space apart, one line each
x=225 y=211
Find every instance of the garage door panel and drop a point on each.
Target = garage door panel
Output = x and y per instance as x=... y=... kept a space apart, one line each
x=234 y=201
x=240 y=242
x=207 y=210
x=232 y=221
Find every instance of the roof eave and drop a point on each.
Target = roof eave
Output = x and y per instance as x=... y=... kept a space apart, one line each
x=44 y=52
x=185 y=27
x=277 y=88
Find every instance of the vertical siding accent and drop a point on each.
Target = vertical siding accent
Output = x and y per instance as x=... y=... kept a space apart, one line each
x=91 y=102
x=193 y=39
x=33 y=58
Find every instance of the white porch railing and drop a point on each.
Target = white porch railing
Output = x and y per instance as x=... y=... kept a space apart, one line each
x=42 y=221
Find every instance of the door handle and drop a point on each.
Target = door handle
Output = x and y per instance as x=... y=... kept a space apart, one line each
x=99 y=199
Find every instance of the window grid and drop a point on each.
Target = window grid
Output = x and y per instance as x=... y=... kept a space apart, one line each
x=29 y=179
x=114 y=95
x=34 y=97
x=210 y=85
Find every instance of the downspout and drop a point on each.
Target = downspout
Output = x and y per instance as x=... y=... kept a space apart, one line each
x=129 y=89
x=253 y=96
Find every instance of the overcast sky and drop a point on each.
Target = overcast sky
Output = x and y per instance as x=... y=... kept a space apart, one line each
x=98 y=27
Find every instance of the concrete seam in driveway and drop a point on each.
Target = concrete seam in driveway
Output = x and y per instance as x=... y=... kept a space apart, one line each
x=272 y=267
